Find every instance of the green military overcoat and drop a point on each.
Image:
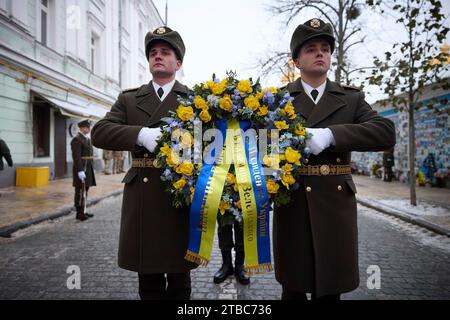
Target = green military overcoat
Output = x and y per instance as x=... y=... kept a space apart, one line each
x=316 y=236
x=153 y=234
x=82 y=154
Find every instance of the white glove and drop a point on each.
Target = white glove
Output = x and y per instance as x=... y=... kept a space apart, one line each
x=321 y=139
x=81 y=175
x=147 y=138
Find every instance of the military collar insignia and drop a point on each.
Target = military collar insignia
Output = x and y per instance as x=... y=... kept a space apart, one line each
x=161 y=30
x=315 y=23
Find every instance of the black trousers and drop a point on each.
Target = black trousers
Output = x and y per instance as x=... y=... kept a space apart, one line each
x=225 y=235
x=78 y=196
x=161 y=286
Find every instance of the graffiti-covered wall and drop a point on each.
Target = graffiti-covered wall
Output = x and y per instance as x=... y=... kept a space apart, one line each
x=432 y=136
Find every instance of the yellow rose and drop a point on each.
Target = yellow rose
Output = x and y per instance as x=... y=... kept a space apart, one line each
x=287 y=179
x=186 y=140
x=263 y=111
x=223 y=206
x=281 y=125
x=205 y=116
x=218 y=88
x=273 y=162
x=251 y=102
x=244 y=86
x=272 y=186
x=172 y=159
x=272 y=89
x=185 y=113
x=200 y=103
x=289 y=110
x=231 y=179
x=225 y=103
x=238 y=204
x=185 y=168
x=259 y=95
x=179 y=184
x=287 y=168
x=292 y=156
x=208 y=84
x=300 y=130
x=165 y=150
x=236 y=187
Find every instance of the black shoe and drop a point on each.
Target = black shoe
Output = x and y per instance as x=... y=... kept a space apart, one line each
x=89 y=215
x=80 y=215
x=239 y=269
x=226 y=269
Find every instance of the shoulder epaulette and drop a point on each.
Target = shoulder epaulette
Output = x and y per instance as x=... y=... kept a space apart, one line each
x=348 y=87
x=129 y=90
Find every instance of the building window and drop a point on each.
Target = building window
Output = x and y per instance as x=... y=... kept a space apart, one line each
x=141 y=37
x=43 y=15
x=124 y=75
x=41 y=129
x=92 y=53
x=5 y=6
x=95 y=53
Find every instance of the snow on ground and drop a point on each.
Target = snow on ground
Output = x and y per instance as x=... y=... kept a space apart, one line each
x=422 y=208
x=419 y=234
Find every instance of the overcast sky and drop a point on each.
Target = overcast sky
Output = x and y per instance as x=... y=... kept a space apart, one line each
x=234 y=34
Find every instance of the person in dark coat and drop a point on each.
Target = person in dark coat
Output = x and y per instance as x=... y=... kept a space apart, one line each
x=315 y=236
x=225 y=228
x=83 y=169
x=388 y=164
x=5 y=153
x=153 y=234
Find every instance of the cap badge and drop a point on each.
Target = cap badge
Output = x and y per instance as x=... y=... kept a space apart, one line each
x=315 y=23
x=161 y=30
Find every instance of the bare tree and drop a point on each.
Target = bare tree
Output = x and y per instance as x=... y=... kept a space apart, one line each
x=341 y=14
x=413 y=64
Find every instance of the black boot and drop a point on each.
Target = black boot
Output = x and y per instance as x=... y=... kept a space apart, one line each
x=226 y=269
x=80 y=216
x=239 y=269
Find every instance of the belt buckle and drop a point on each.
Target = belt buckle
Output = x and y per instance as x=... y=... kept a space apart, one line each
x=324 y=170
x=156 y=163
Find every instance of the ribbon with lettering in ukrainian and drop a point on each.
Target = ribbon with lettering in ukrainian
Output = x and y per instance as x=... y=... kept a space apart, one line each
x=253 y=195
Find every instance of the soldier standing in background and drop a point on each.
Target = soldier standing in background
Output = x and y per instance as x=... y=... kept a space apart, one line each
x=388 y=164
x=5 y=153
x=108 y=158
x=118 y=162
x=83 y=169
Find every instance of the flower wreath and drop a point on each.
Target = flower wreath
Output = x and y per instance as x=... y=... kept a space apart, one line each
x=223 y=105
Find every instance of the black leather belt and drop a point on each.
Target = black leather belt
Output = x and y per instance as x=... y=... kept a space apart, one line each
x=145 y=163
x=325 y=170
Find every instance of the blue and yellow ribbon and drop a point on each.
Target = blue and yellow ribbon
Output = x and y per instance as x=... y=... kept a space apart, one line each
x=252 y=191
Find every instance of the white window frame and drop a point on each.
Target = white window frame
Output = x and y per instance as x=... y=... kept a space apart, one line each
x=95 y=54
x=48 y=10
x=5 y=7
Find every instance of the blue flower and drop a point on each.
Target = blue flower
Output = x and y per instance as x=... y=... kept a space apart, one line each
x=174 y=124
x=276 y=176
x=167 y=174
x=307 y=150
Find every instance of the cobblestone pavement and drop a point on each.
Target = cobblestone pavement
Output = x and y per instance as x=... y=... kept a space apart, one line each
x=414 y=263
